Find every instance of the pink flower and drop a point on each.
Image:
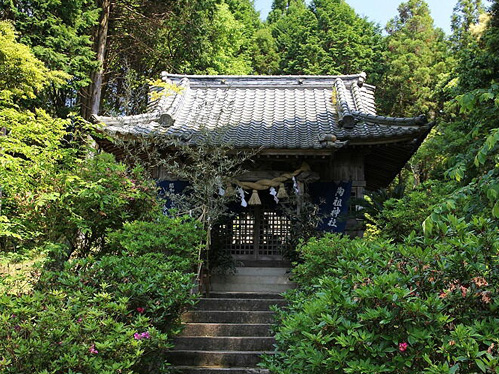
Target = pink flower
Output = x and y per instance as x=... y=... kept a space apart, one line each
x=403 y=347
x=92 y=350
x=491 y=348
x=79 y=320
x=464 y=291
x=480 y=281
x=140 y=336
x=140 y=310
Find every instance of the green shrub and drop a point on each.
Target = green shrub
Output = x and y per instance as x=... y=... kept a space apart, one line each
x=107 y=315
x=99 y=197
x=58 y=332
x=399 y=217
x=103 y=314
x=424 y=306
x=168 y=235
x=80 y=203
x=156 y=284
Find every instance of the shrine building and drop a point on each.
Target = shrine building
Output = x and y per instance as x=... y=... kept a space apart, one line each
x=314 y=135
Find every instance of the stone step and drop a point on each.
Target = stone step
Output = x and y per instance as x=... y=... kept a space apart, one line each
x=229 y=330
x=230 y=304
x=259 y=271
x=245 y=295
x=218 y=370
x=228 y=316
x=238 y=287
x=225 y=329
x=258 y=263
x=224 y=343
x=237 y=359
x=258 y=279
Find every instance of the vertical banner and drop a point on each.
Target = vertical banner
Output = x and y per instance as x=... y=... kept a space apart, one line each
x=332 y=199
x=170 y=187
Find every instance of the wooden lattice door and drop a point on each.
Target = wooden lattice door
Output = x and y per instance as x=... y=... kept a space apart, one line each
x=259 y=233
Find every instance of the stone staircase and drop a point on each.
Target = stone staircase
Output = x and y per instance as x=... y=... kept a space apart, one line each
x=229 y=331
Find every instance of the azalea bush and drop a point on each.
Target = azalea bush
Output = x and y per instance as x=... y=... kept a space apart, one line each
x=157 y=285
x=424 y=306
x=115 y=314
x=56 y=331
x=103 y=313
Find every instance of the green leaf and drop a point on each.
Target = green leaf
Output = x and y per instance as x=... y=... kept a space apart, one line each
x=486 y=96
x=495 y=209
x=427 y=226
x=481 y=365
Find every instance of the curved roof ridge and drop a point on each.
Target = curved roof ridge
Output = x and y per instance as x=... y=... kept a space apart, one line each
x=420 y=120
x=345 y=117
x=176 y=103
x=165 y=76
x=125 y=120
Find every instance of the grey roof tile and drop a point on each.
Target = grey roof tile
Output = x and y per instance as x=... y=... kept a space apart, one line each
x=276 y=112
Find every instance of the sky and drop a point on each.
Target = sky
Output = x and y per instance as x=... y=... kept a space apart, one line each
x=381 y=11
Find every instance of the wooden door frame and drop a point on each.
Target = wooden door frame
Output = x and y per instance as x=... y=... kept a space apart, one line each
x=256 y=212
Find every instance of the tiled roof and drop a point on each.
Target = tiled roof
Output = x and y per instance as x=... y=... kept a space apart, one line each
x=273 y=112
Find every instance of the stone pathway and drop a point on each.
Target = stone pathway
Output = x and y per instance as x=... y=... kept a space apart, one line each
x=230 y=330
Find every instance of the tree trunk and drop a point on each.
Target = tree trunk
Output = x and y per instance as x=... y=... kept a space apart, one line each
x=92 y=94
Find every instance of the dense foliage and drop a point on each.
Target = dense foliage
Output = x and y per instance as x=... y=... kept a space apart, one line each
x=419 y=296
x=327 y=37
x=95 y=303
x=59 y=35
x=424 y=306
x=114 y=313
x=422 y=296
x=417 y=60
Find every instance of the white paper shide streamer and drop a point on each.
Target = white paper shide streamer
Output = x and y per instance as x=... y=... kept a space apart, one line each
x=240 y=191
x=295 y=186
x=273 y=192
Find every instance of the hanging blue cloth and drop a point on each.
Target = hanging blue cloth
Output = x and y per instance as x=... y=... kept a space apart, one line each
x=165 y=187
x=333 y=199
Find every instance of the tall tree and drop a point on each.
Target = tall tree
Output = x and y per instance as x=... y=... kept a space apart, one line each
x=147 y=37
x=227 y=46
x=416 y=60
x=327 y=37
x=471 y=39
x=263 y=52
x=466 y=14
x=29 y=140
x=22 y=75
x=184 y=36
x=59 y=34
x=352 y=44
x=111 y=48
x=295 y=33
x=90 y=96
x=468 y=143
x=258 y=45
